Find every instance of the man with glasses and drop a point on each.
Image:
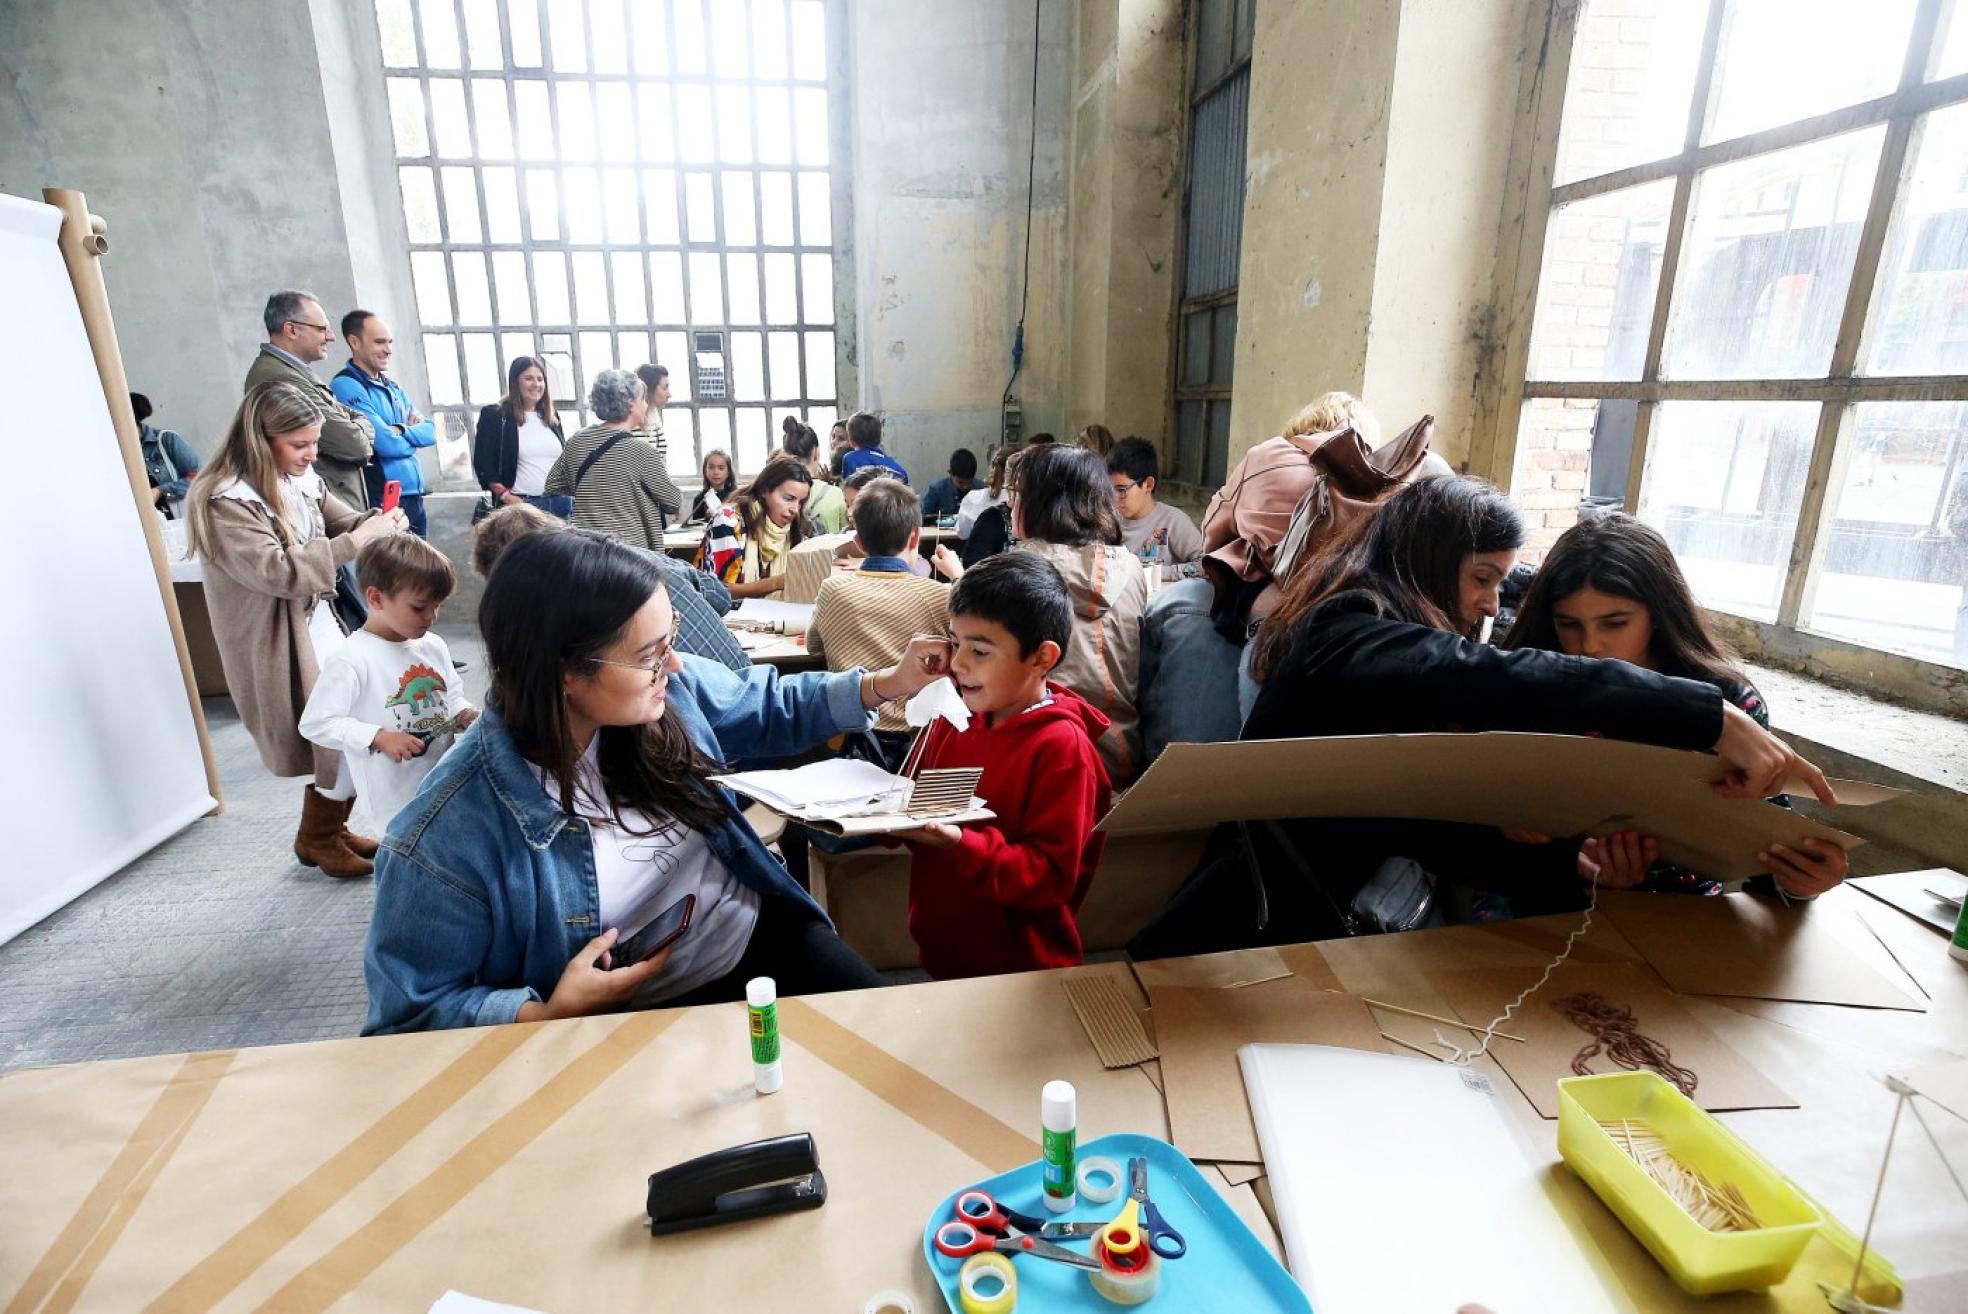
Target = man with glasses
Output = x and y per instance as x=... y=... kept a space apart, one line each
x=298 y=334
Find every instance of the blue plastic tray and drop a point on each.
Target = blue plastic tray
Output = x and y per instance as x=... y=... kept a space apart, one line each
x=1226 y=1267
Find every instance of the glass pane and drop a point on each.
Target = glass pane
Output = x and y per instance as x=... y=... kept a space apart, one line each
x=1631 y=87
x=1768 y=260
x=820 y=365
x=474 y=289
x=1188 y=442
x=1919 y=323
x=696 y=127
x=809 y=40
x=816 y=210
x=659 y=203
x=1953 y=44
x=740 y=226
x=776 y=203
x=482 y=368
x=399 y=33
x=671 y=349
x=688 y=50
x=821 y=418
x=706 y=290
x=734 y=112
x=751 y=438
x=775 y=132
x=568 y=35
x=1895 y=568
x=666 y=287
x=1195 y=349
x=535 y=123
x=1724 y=480
x=680 y=434
x=448 y=117
x=597 y=354
x=542 y=206
x=419 y=204
x=769 y=38
x=714 y=425
x=782 y=364
x=433 y=289
x=559 y=361
x=407 y=125
x=650 y=26
x=509 y=283
x=511 y=347
x=656 y=137
x=1216 y=460
x=440 y=34
x=577 y=130
x=494 y=120
x=744 y=274
x=747 y=367
x=781 y=300
x=1562 y=445
x=632 y=349
x=609 y=36
x=621 y=206
x=482 y=34
x=591 y=288
x=461 y=205
x=1223 y=343
x=626 y=266
x=523 y=16
x=501 y=204
x=701 y=207
x=581 y=202
x=616 y=116
x=810 y=124
x=729 y=41
x=1212 y=41
x=817 y=288
x=1595 y=301
x=441 y=368
x=1783 y=60
x=550 y=288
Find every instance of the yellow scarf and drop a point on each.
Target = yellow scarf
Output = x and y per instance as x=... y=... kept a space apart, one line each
x=765 y=549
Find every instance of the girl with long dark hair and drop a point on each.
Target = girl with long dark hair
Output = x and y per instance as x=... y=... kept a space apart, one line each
x=750 y=540
x=528 y=877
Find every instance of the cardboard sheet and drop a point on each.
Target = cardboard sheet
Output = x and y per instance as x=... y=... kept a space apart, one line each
x=1105 y=1004
x=1724 y=1080
x=1743 y=945
x=1553 y=784
x=1239 y=1173
x=1224 y=971
x=1199 y=1032
x=1912 y=892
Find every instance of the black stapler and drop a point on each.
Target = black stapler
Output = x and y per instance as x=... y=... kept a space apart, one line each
x=775 y=1176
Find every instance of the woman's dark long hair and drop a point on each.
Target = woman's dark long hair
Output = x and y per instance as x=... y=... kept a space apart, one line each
x=1614 y=553
x=553 y=601
x=511 y=403
x=781 y=469
x=1406 y=557
x=1064 y=496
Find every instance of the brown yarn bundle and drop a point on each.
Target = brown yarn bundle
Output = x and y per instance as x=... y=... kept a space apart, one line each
x=1615 y=1032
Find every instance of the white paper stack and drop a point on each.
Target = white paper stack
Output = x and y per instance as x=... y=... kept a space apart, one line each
x=770 y=616
x=844 y=796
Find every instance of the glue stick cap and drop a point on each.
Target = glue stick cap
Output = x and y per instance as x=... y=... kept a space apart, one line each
x=1059 y=1106
x=760 y=991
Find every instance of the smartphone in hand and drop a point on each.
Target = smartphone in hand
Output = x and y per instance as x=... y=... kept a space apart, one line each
x=669 y=927
x=392 y=493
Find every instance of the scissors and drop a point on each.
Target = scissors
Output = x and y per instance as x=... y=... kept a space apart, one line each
x=1162 y=1239
x=981 y=1225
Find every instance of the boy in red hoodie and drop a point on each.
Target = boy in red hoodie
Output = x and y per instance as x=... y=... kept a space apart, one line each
x=1000 y=896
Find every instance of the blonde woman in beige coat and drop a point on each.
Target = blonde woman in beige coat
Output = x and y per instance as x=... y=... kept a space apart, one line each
x=271 y=537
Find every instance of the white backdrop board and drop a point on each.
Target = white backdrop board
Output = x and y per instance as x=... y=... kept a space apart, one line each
x=101 y=759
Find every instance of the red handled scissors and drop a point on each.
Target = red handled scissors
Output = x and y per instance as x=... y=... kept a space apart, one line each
x=981 y=1225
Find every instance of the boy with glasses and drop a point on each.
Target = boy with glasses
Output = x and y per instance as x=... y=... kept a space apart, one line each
x=1154 y=531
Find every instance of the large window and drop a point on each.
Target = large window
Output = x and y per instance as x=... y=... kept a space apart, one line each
x=1213 y=236
x=1752 y=310
x=601 y=184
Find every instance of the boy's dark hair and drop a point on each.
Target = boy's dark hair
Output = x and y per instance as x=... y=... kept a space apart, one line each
x=963 y=463
x=1064 y=496
x=399 y=563
x=1135 y=458
x=353 y=321
x=140 y=406
x=884 y=513
x=866 y=475
x=864 y=429
x=1021 y=591
x=507 y=526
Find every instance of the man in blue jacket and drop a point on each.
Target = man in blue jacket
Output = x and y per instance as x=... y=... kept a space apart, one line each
x=363 y=387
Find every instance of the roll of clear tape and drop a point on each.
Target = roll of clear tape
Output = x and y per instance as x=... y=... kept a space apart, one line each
x=1099 y=1166
x=890 y=1301
x=977 y=1271
x=1126 y=1280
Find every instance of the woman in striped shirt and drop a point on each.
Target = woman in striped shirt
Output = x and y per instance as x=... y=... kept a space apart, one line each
x=617 y=480
x=750 y=540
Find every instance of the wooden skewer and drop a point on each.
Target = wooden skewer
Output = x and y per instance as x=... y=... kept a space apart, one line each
x=1416 y=1048
x=1436 y=1017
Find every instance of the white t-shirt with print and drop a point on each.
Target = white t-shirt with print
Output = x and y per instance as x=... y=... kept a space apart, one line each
x=371 y=684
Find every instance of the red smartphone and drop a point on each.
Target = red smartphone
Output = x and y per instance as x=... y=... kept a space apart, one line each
x=660 y=934
x=392 y=493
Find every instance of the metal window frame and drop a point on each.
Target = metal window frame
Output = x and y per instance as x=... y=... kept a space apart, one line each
x=1837 y=391
x=798 y=395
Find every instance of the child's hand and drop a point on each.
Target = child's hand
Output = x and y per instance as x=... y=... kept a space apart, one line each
x=466 y=717
x=397 y=746
x=1806 y=875
x=1618 y=861
x=948 y=564
x=936 y=835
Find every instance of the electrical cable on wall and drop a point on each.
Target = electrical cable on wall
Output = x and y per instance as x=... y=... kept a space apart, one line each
x=1031 y=174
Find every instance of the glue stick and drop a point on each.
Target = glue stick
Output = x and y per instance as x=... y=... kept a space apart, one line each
x=762 y=1008
x=1958 y=945
x=1059 y=1115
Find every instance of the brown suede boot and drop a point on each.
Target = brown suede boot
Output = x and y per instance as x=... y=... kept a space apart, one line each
x=319 y=841
x=360 y=845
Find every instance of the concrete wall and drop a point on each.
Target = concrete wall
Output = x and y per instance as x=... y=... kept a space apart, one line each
x=939 y=115
x=200 y=131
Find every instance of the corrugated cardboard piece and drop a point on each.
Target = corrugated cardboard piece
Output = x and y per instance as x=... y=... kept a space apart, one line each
x=1553 y=784
x=1106 y=1004
x=1742 y=945
x=1724 y=1080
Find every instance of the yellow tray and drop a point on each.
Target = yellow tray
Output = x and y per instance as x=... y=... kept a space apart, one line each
x=1700 y=1261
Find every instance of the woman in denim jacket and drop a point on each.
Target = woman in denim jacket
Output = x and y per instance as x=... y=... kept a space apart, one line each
x=520 y=882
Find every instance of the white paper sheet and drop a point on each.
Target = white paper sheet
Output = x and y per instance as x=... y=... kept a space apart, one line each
x=939 y=698
x=764 y=611
x=457 y=1302
x=832 y=786
x=1400 y=1188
